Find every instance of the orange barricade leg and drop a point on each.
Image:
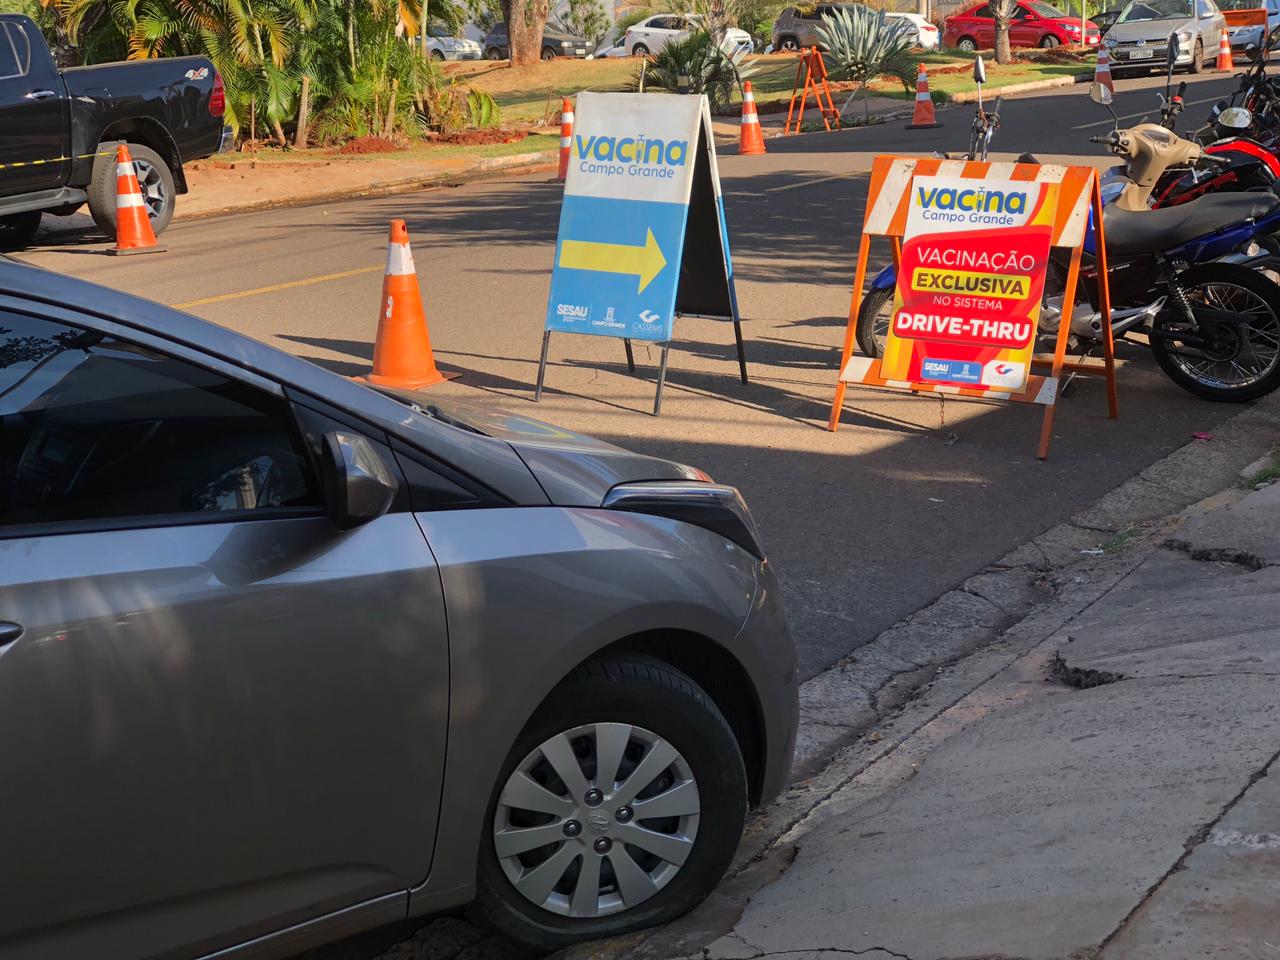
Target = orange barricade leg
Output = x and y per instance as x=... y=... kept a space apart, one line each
x=566 y=134
x=402 y=354
x=133 y=224
x=751 y=139
x=923 y=118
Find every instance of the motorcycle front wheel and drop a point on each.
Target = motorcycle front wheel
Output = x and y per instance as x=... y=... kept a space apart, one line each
x=873 y=321
x=1238 y=361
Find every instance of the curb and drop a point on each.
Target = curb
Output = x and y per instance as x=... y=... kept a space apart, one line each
x=485 y=168
x=871 y=702
x=972 y=96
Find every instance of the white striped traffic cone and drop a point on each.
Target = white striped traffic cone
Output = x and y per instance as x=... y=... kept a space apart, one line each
x=566 y=134
x=923 y=118
x=1102 y=72
x=751 y=139
x=133 y=225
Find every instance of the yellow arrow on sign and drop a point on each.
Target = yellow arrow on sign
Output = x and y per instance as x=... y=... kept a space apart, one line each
x=643 y=262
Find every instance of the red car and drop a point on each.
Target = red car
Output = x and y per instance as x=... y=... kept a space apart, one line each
x=1033 y=24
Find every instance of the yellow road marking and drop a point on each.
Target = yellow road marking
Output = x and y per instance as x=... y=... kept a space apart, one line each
x=811 y=183
x=323 y=278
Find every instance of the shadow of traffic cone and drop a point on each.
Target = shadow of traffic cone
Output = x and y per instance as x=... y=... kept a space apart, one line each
x=566 y=134
x=923 y=118
x=402 y=353
x=1102 y=72
x=133 y=224
x=1224 y=63
x=751 y=139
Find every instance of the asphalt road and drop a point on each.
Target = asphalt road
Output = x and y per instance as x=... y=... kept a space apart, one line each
x=867 y=525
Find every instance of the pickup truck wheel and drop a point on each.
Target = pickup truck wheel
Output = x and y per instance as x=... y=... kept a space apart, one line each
x=154 y=178
x=18 y=230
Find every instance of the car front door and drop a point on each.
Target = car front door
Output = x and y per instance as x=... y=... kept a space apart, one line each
x=1025 y=28
x=982 y=27
x=220 y=715
x=1210 y=28
x=34 y=124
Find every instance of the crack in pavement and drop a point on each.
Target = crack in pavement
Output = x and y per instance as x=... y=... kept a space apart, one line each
x=1189 y=846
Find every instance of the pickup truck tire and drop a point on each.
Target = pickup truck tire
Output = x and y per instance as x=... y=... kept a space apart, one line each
x=154 y=177
x=17 y=230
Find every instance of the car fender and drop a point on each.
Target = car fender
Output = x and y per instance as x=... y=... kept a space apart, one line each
x=521 y=618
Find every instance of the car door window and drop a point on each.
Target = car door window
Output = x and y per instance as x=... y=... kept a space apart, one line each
x=10 y=66
x=982 y=13
x=21 y=48
x=95 y=428
x=1204 y=8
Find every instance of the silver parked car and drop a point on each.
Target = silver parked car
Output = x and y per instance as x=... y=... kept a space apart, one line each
x=284 y=657
x=1140 y=35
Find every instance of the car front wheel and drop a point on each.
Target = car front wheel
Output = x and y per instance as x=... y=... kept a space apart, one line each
x=1197 y=59
x=548 y=53
x=494 y=53
x=619 y=807
x=1049 y=42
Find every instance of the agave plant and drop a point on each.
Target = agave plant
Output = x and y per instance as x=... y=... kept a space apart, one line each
x=864 y=44
x=696 y=65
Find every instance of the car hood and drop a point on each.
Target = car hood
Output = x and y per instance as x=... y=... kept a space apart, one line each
x=557 y=35
x=572 y=468
x=1153 y=31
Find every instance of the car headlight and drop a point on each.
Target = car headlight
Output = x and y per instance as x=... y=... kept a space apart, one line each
x=566 y=43
x=1110 y=42
x=1071 y=27
x=712 y=506
x=1184 y=36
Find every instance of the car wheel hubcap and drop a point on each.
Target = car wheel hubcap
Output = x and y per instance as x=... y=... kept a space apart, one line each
x=621 y=849
x=152 y=186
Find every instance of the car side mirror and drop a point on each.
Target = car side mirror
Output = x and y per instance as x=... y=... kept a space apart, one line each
x=358 y=487
x=979 y=71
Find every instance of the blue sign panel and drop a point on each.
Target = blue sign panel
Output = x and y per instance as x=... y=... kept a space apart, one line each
x=617 y=268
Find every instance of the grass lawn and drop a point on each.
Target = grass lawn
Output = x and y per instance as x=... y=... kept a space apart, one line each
x=532 y=94
x=533 y=143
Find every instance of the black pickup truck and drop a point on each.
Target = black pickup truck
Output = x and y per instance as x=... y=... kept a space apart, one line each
x=59 y=130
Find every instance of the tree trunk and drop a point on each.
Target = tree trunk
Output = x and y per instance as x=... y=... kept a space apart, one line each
x=526 y=20
x=351 y=34
x=304 y=111
x=389 y=128
x=1001 y=11
x=279 y=131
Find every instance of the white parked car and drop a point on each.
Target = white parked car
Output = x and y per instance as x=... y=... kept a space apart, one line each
x=617 y=49
x=927 y=37
x=444 y=46
x=651 y=35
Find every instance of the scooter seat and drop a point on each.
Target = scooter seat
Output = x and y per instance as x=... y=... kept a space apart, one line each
x=1147 y=231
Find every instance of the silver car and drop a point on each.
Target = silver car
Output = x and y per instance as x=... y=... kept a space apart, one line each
x=1140 y=35
x=284 y=657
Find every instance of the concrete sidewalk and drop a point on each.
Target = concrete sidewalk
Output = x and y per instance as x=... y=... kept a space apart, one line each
x=1111 y=791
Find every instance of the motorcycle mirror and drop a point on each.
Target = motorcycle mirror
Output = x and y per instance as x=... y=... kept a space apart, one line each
x=979 y=71
x=1171 y=52
x=1100 y=93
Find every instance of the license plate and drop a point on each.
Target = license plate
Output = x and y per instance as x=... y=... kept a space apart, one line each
x=581 y=52
x=1141 y=54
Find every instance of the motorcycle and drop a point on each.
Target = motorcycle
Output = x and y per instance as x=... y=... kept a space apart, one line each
x=1213 y=325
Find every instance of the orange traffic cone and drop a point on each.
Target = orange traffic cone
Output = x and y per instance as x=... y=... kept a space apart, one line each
x=751 y=139
x=566 y=134
x=1102 y=72
x=402 y=353
x=1224 y=54
x=923 y=118
x=133 y=225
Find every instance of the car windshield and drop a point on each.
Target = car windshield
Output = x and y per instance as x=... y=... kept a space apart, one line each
x=1046 y=10
x=1239 y=5
x=1140 y=10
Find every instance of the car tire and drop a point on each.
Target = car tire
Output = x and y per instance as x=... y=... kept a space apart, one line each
x=548 y=53
x=966 y=45
x=155 y=178
x=639 y=50
x=788 y=44
x=1197 y=59
x=1049 y=42
x=652 y=707
x=493 y=53
x=18 y=230
x=437 y=55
